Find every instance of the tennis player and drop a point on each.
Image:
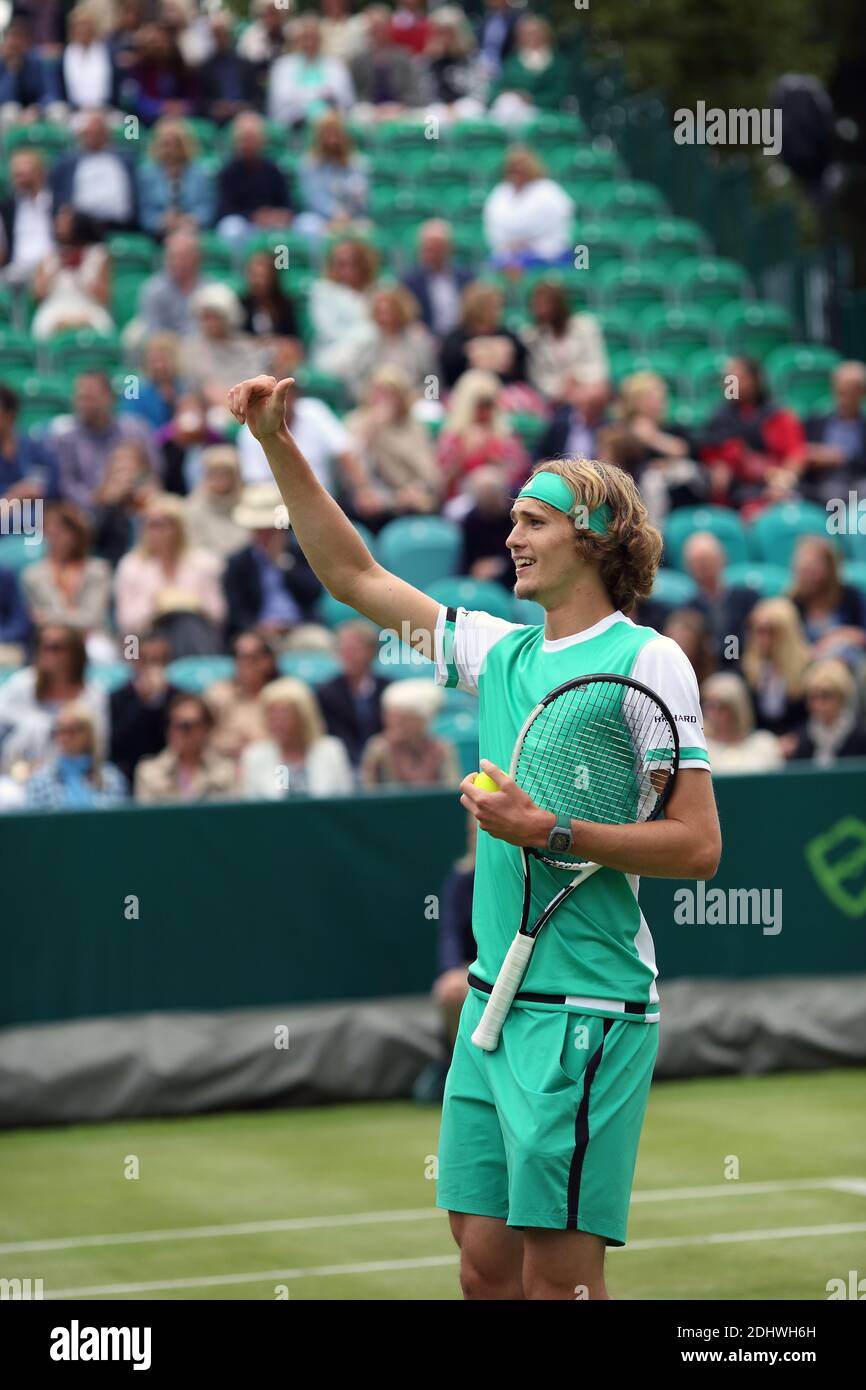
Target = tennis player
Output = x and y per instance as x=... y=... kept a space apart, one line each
x=539 y=1138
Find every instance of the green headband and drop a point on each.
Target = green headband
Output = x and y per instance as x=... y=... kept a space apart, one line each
x=554 y=490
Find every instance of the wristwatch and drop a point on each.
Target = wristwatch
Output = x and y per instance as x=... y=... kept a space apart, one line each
x=560 y=840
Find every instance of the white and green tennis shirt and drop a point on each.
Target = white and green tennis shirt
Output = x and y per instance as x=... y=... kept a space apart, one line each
x=596 y=950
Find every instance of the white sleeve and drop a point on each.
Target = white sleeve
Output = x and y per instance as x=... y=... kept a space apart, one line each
x=665 y=669
x=461 y=641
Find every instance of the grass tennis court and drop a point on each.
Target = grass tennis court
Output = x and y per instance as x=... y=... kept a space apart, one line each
x=334 y=1202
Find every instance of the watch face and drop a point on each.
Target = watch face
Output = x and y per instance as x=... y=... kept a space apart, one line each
x=560 y=840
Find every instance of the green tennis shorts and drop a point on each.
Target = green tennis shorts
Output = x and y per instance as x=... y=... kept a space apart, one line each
x=545 y=1130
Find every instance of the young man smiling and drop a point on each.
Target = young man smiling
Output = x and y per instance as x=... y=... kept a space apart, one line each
x=539 y=1138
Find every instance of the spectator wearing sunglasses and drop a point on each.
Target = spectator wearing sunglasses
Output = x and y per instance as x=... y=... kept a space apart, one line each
x=76 y=775
x=31 y=699
x=189 y=769
x=832 y=730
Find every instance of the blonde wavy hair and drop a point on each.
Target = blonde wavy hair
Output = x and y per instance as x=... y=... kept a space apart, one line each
x=790 y=650
x=628 y=554
x=290 y=691
x=470 y=388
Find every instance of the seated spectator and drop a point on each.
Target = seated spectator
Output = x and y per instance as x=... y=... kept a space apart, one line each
x=139 y=709
x=175 y=189
x=159 y=83
x=128 y=19
x=394 y=447
x=835 y=457
x=476 y=434
x=561 y=344
x=528 y=217
x=833 y=613
x=98 y=178
x=218 y=353
x=339 y=308
x=166 y=297
x=577 y=422
x=690 y=630
x=26 y=90
x=87 y=76
x=754 y=447
x=455 y=72
x=72 y=286
x=252 y=191
x=410 y=27
x=269 y=585
x=406 y=753
x=84 y=446
x=481 y=340
x=298 y=756
x=26 y=220
x=190 y=30
x=268 y=312
x=305 y=83
x=28 y=467
x=496 y=35
x=352 y=701
x=121 y=499
x=660 y=454
x=332 y=180
x=31 y=698
x=184 y=439
x=343 y=34
x=70 y=587
x=323 y=440
x=264 y=39
x=832 y=730
x=226 y=81
x=76 y=776
x=386 y=79
x=486 y=527
x=160 y=383
x=733 y=742
x=210 y=505
x=163 y=565
x=189 y=769
x=725 y=608
x=235 y=703
x=15 y=626
x=774 y=664
x=398 y=341
x=533 y=78
x=436 y=284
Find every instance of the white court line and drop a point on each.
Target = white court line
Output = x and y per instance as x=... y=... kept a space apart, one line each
x=374 y=1218
x=434 y=1261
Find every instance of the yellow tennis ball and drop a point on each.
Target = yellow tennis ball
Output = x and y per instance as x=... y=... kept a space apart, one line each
x=485 y=783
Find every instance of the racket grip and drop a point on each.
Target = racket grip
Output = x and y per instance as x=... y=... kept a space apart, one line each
x=508 y=981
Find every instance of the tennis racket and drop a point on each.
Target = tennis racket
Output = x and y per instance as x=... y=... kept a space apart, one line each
x=599 y=748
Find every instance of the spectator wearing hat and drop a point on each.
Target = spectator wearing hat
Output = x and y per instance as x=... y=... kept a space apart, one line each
x=139 y=709
x=252 y=191
x=189 y=769
x=70 y=587
x=163 y=572
x=269 y=585
x=209 y=507
x=406 y=753
x=235 y=703
x=174 y=188
x=219 y=353
x=84 y=446
x=352 y=701
x=298 y=756
x=76 y=776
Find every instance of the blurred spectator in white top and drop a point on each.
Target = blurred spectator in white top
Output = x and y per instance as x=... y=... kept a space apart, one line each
x=387 y=78
x=528 y=217
x=832 y=730
x=733 y=742
x=332 y=180
x=298 y=756
x=32 y=697
x=26 y=221
x=209 y=507
x=304 y=82
x=70 y=587
x=72 y=286
x=561 y=343
x=323 y=440
x=163 y=572
x=339 y=308
x=76 y=776
x=343 y=33
x=437 y=284
x=165 y=301
x=98 y=178
x=406 y=753
x=263 y=41
x=86 y=69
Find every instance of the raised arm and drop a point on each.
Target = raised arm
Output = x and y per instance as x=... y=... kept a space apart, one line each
x=335 y=551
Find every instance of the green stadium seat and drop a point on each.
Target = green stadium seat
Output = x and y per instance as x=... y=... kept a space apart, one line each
x=324 y=387
x=332 y=613
x=701 y=374
x=7 y=306
x=17 y=351
x=132 y=251
x=528 y=427
x=125 y=292
x=710 y=281
x=664 y=241
x=628 y=196
x=110 y=675
x=801 y=374
x=16 y=554
x=674 y=588
x=554 y=128
x=50 y=394
x=774 y=534
x=464 y=592
x=606 y=242
x=216 y=257
x=397 y=662
x=314 y=668
x=626 y=361
x=83 y=350
x=50 y=140
x=629 y=285
x=691 y=415
x=461 y=728
x=754 y=330
x=855 y=574
x=725 y=525
x=420 y=549
x=196 y=673
x=528 y=612
x=297 y=246
x=680 y=331
x=767 y=580
x=620 y=328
